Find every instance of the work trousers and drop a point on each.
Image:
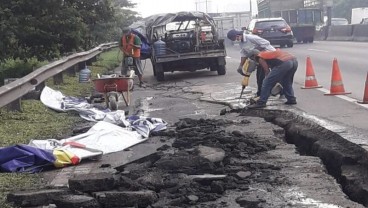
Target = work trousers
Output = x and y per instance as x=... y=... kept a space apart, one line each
x=284 y=74
x=138 y=69
x=260 y=77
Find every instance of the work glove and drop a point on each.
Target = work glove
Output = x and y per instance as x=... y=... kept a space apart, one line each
x=240 y=71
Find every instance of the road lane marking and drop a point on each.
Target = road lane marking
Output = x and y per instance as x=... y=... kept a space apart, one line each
x=344 y=97
x=317 y=50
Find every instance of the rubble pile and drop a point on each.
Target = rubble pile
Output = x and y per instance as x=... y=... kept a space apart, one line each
x=204 y=162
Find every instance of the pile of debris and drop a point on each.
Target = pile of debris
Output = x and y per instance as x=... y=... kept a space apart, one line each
x=204 y=161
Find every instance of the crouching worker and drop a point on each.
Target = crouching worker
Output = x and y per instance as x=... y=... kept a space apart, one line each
x=251 y=41
x=248 y=67
x=283 y=67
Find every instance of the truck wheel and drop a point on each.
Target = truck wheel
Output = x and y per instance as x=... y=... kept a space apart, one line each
x=221 y=70
x=214 y=67
x=113 y=104
x=159 y=72
x=154 y=70
x=290 y=44
x=298 y=40
x=311 y=40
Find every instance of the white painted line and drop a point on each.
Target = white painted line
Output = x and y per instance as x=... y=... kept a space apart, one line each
x=310 y=49
x=344 y=97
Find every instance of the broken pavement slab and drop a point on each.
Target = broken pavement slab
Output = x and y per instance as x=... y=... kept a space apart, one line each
x=92 y=182
x=31 y=198
x=126 y=198
x=60 y=177
x=76 y=201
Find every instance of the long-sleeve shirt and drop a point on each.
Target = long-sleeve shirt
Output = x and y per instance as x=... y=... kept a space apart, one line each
x=257 y=42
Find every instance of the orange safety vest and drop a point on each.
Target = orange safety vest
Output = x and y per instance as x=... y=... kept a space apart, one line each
x=128 y=48
x=278 y=54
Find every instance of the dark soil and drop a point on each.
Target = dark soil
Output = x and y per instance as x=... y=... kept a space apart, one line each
x=182 y=176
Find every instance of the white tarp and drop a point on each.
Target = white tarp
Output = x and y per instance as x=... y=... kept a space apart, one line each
x=143 y=125
x=102 y=138
x=113 y=131
x=61 y=103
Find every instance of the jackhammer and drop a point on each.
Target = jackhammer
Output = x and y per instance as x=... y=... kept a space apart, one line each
x=248 y=67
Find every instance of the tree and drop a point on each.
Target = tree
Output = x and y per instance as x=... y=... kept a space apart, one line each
x=48 y=29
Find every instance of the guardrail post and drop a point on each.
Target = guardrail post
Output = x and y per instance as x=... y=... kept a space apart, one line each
x=40 y=86
x=16 y=105
x=90 y=61
x=72 y=71
x=81 y=65
x=58 y=78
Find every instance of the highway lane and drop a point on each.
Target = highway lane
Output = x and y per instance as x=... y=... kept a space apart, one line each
x=351 y=57
x=353 y=67
x=341 y=109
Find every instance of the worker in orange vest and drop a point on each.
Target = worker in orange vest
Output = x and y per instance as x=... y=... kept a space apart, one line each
x=130 y=45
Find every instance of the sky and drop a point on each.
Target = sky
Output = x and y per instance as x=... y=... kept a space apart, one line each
x=150 y=7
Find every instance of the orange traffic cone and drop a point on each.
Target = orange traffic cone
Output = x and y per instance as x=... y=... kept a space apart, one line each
x=337 y=87
x=365 y=98
x=310 y=78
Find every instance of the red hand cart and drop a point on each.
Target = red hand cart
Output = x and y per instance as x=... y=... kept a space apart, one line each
x=112 y=87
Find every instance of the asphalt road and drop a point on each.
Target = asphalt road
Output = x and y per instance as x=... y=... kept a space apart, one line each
x=342 y=111
x=168 y=101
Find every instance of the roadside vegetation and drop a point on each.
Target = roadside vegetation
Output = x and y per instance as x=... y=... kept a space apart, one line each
x=36 y=121
x=36 y=31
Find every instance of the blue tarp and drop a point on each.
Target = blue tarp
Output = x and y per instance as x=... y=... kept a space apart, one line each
x=24 y=158
x=145 y=47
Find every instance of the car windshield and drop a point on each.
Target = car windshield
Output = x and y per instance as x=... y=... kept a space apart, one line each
x=268 y=24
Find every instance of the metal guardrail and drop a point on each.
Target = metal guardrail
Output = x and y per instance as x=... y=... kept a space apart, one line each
x=16 y=89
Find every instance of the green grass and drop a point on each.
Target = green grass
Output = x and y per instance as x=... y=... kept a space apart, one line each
x=36 y=121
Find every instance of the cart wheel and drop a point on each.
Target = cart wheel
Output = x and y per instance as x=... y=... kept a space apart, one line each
x=113 y=104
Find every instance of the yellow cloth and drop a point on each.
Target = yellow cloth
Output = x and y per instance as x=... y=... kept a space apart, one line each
x=64 y=158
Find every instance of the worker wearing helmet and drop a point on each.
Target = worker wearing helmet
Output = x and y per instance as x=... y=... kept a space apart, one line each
x=130 y=45
x=283 y=67
x=250 y=41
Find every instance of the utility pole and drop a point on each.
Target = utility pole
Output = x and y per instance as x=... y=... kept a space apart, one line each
x=328 y=4
x=250 y=6
x=200 y=2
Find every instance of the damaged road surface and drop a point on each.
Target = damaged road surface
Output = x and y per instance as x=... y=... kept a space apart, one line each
x=240 y=159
